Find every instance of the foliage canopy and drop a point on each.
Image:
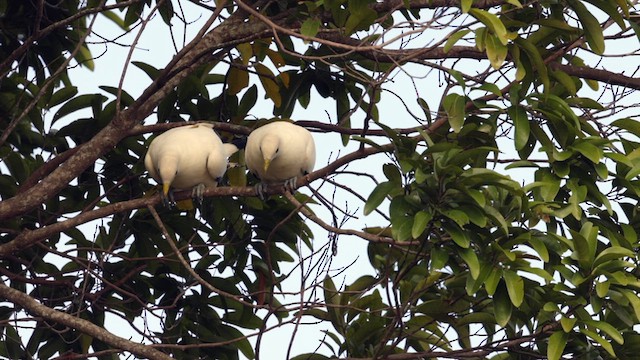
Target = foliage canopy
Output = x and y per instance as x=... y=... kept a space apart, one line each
x=500 y=143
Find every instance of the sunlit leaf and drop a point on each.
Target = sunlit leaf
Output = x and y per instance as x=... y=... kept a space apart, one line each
x=557 y=343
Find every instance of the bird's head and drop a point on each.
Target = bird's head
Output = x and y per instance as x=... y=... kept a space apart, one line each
x=270 y=146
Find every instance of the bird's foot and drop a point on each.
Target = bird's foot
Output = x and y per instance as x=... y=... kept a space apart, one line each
x=167 y=199
x=197 y=193
x=261 y=188
x=290 y=184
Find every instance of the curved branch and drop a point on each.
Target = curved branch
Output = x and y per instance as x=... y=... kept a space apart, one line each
x=605 y=76
x=79 y=324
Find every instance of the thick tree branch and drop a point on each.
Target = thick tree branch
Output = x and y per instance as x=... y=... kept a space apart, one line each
x=390 y=5
x=79 y=324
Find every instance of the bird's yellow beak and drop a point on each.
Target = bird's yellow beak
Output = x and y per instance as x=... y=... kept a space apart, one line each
x=267 y=162
x=165 y=188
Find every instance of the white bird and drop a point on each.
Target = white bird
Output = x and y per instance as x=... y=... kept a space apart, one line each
x=280 y=152
x=188 y=157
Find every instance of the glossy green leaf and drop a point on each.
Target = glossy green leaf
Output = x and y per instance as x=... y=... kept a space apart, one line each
x=420 y=222
x=567 y=323
x=557 y=343
x=592 y=29
x=270 y=86
x=332 y=299
x=612 y=253
x=237 y=79
x=62 y=95
x=151 y=71
x=536 y=59
x=496 y=51
x=472 y=261
x=493 y=22
x=379 y=193
x=502 y=306
x=310 y=27
x=458 y=235
x=600 y=340
x=453 y=39
x=521 y=124
x=588 y=150
x=78 y=103
x=361 y=16
x=515 y=287
x=454 y=106
x=465 y=5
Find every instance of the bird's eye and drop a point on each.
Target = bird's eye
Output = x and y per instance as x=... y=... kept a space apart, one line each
x=278 y=149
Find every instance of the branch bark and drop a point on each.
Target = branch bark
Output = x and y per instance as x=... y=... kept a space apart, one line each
x=34 y=307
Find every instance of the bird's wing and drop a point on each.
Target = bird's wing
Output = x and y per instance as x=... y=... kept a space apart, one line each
x=310 y=158
x=150 y=166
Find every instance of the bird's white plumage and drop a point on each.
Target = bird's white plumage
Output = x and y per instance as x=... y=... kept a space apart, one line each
x=280 y=151
x=188 y=156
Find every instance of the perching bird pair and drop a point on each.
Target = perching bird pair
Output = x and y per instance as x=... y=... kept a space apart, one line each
x=194 y=156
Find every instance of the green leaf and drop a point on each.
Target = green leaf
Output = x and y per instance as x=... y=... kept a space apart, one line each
x=470 y=257
x=633 y=300
x=332 y=299
x=458 y=235
x=125 y=98
x=565 y=80
x=515 y=287
x=151 y=71
x=612 y=253
x=310 y=356
x=521 y=123
x=496 y=51
x=114 y=18
x=310 y=27
x=248 y=101
x=79 y=103
x=557 y=343
x=237 y=79
x=420 y=221
x=588 y=150
x=608 y=329
x=465 y=5
x=502 y=306
x=453 y=39
x=567 y=323
x=460 y=217
x=270 y=86
x=379 y=193
x=540 y=248
x=536 y=59
x=62 y=95
x=454 y=106
x=631 y=125
x=592 y=29
x=361 y=16
x=84 y=58
x=492 y=22
x=600 y=340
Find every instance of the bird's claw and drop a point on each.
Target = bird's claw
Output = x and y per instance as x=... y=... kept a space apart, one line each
x=290 y=184
x=197 y=193
x=261 y=189
x=167 y=199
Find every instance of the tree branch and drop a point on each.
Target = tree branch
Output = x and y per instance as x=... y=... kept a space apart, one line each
x=84 y=326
